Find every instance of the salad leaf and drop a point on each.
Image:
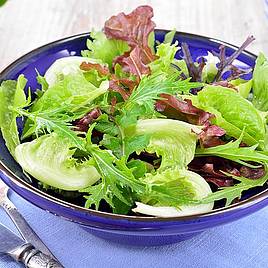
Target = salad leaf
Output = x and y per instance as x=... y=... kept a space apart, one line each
x=233 y=152
x=116 y=176
x=173 y=140
x=104 y=49
x=169 y=37
x=233 y=116
x=175 y=200
x=166 y=54
x=12 y=96
x=172 y=183
x=210 y=69
x=180 y=109
x=152 y=86
x=50 y=160
x=53 y=120
x=66 y=66
x=69 y=99
x=133 y=63
x=232 y=192
x=73 y=89
x=133 y=28
x=243 y=86
x=260 y=83
x=194 y=69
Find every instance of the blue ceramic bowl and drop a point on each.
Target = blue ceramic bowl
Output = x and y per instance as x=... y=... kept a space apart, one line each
x=135 y=230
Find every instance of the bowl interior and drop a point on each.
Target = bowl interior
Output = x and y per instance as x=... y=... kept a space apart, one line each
x=41 y=58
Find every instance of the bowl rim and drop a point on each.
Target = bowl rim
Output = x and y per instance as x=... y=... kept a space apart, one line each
x=257 y=198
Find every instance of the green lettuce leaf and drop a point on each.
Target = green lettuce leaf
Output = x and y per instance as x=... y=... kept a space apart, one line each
x=243 y=86
x=12 y=96
x=173 y=140
x=178 y=189
x=260 y=83
x=50 y=160
x=73 y=89
x=233 y=113
x=165 y=56
x=104 y=49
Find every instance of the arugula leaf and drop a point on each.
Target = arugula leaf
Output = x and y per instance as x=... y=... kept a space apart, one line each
x=232 y=192
x=53 y=120
x=260 y=83
x=115 y=175
x=70 y=98
x=233 y=116
x=104 y=49
x=233 y=152
x=50 y=160
x=12 y=96
x=152 y=86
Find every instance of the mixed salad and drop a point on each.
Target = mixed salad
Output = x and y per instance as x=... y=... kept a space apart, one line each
x=130 y=127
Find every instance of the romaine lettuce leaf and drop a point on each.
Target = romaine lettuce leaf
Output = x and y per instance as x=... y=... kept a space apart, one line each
x=104 y=49
x=49 y=159
x=12 y=96
x=260 y=83
x=173 y=140
x=233 y=113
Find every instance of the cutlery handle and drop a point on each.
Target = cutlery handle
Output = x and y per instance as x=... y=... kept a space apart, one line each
x=24 y=228
x=36 y=259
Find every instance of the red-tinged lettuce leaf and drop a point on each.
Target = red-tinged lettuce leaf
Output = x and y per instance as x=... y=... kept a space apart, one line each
x=115 y=86
x=116 y=83
x=210 y=168
x=220 y=182
x=84 y=123
x=101 y=69
x=210 y=136
x=252 y=173
x=133 y=63
x=182 y=109
x=133 y=28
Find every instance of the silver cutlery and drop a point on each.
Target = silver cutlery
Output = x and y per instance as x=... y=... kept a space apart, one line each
x=23 y=227
x=24 y=252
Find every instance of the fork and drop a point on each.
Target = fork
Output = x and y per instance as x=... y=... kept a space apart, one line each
x=23 y=227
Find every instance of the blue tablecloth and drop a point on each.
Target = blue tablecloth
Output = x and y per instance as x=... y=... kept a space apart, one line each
x=239 y=244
